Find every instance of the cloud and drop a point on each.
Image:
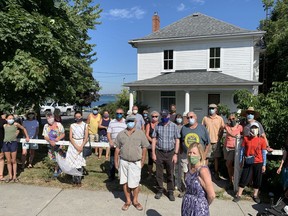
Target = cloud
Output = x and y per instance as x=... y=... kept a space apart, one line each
x=181 y=7
x=123 y=13
x=198 y=1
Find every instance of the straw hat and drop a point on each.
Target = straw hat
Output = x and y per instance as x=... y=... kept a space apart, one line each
x=250 y=110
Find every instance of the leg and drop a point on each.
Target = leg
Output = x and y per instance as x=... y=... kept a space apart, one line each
x=100 y=152
x=169 y=171
x=112 y=167
x=14 y=164
x=229 y=165
x=127 y=192
x=107 y=153
x=32 y=155
x=9 y=165
x=24 y=155
x=216 y=165
x=150 y=163
x=1 y=165
x=159 y=170
x=257 y=178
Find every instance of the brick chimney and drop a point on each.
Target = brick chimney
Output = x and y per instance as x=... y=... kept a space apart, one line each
x=155 y=22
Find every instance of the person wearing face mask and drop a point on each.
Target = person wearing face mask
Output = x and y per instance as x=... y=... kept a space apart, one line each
x=131 y=145
x=253 y=160
x=215 y=126
x=115 y=126
x=200 y=192
x=165 y=150
x=93 y=121
x=78 y=137
x=190 y=133
x=2 y=123
x=103 y=126
x=233 y=130
x=146 y=118
x=172 y=112
x=140 y=123
x=10 y=146
x=32 y=127
x=149 y=131
x=53 y=132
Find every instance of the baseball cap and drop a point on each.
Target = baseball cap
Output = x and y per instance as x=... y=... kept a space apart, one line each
x=212 y=106
x=164 y=112
x=130 y=118
x=254 y=124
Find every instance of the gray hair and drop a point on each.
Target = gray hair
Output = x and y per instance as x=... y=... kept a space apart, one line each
x=154 y=112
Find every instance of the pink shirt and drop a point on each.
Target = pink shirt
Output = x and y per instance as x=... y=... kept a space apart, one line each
x=231 y=132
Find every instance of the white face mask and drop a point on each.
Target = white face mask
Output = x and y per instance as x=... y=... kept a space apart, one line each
x=254 y=131
x=50 y=121
x=135 y=112
x=191 y=121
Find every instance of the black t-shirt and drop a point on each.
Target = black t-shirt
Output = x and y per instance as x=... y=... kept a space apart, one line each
x=2 y=122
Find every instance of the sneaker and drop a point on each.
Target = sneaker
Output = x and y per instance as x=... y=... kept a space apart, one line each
x=158 y=195
x=181 y=195
x=256 y=199
x=236 y=198
x=171 y=197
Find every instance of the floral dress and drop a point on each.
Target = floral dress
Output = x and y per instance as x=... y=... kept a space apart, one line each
x=194 y=202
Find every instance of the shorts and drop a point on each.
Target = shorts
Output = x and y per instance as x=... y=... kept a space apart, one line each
x=93 y=137
x=29 y=146
x=10 y=146
x=130 y=172
x=214 y=151
x=229 y=154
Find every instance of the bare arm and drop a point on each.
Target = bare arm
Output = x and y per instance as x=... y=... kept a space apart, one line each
x=282 y=162
x=24 y=131
x=100 y=125
x=110 y=140
x=154 y=140
x=116 y=158
x=88 y=119
x=147 y=133
x=144 y=151
x=206 y=183
x=85 y=140
x=176 y=150
x=72 y=140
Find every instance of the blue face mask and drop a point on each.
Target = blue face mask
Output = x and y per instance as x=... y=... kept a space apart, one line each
x=165 y=120
x=250 y=116
x=130 y=125
x=119 y=116
x=211 y=111
x=191 y=121
x=95 y=112
x=179 y=120
x=145 y=114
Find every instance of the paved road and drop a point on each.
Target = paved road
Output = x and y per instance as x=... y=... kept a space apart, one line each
x=17 y=200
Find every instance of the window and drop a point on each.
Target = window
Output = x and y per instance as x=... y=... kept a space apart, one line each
x=167 y=98
x=168 y=59
x=213 y=99
x=214 y=57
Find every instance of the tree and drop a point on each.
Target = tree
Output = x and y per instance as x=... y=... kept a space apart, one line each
x=45 y=51
x=273 y=111
x=276 y=57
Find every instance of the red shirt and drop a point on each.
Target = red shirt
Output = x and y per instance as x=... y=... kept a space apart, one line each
x=254 y=146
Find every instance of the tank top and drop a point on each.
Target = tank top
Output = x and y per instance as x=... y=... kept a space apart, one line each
x=103 y=131
x=93 y=125
x=10 y=133
x=151 y=130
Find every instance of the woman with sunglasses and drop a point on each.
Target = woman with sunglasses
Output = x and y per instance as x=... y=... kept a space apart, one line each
x=233 y=131
x=149 y=131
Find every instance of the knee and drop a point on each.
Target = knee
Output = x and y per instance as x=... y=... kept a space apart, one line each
x=13 y=161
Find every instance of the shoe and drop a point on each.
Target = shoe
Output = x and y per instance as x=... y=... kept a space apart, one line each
x=126 y=206
x=181 y=195
x=158 y=195
x=171 y=197
x=236 y=198
x=216 y=176
x=256 y=199
x=138 y=206
x=30 y=166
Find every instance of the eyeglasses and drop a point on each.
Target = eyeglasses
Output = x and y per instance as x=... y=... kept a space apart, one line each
x=119 y=113
x=211 y=108
x=231 y=119
x=189 y=117
x=154 y=116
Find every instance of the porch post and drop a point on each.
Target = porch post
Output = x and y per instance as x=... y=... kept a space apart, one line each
x=187 y=101
x=131 y=100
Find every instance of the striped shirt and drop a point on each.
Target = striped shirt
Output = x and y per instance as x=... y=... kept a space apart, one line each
x=166 y=136
x=115 y=127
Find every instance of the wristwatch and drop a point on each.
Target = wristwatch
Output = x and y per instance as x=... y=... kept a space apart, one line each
x=176 y=153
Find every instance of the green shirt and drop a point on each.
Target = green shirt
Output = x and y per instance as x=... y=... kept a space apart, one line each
x=10 y=133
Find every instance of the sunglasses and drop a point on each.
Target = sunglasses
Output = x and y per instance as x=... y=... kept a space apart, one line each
x=154 y=116
x=189 y=117
x=119 y=113
x=231 y=119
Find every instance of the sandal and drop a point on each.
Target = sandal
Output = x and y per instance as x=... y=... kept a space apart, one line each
x=138 y=206
x=30 y=166
x=126 y=206
x=8 y=180
x=16 y=180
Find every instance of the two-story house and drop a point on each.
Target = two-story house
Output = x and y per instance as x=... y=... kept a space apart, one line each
x=193 y=62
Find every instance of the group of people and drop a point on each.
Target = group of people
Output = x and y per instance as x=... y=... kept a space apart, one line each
x=176 y=143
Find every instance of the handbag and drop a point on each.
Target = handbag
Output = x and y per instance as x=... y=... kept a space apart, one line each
x=250 y=159
x=87 y=150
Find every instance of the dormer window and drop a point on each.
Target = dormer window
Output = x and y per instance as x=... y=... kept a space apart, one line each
x=168 y=59
x=214 y=61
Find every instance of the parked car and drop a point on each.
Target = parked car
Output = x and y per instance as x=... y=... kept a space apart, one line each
x=64 y=108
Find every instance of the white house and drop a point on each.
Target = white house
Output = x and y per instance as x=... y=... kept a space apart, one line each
x=193 y=62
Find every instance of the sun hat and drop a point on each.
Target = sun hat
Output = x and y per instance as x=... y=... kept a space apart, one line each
x=250 y=110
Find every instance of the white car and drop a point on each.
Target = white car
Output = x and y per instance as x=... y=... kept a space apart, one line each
x=65 y=108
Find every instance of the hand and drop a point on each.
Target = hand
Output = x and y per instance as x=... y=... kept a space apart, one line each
x=279 y=171
x=142 y=163
x=263 y=169
x=111 y=144
x=79 y=149
x=174 y=158
x=52 y=143
x=117 y=165
x=154 y=157
x=27 y=139
x=57 y=140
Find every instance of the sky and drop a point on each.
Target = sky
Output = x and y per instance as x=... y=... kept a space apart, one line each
x=123 y=20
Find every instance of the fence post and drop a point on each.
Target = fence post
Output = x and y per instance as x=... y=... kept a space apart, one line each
x=237 y=169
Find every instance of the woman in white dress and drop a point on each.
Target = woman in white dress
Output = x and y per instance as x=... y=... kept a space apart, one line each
x=78 y=137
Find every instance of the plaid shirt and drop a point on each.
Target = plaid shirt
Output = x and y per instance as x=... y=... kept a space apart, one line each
x=166 y=136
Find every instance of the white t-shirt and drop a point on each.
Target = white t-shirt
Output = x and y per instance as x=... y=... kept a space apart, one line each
x=31 y=127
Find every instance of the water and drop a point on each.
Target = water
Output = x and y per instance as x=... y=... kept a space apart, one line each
x=104 y=99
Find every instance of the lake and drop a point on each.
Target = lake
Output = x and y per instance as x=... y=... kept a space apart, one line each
x=104 y=99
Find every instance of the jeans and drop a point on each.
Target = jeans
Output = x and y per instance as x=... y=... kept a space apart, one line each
x=112 y=165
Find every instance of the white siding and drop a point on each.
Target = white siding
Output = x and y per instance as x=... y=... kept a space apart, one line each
x=236 y=57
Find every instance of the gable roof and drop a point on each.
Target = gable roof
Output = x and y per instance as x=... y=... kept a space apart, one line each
x=196 y=25
x=193 y=78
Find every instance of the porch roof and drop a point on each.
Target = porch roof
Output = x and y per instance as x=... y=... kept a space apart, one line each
x=193 y=79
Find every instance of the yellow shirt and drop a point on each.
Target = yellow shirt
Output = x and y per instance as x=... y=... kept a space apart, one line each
x=215 y=126
x=94 y=122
